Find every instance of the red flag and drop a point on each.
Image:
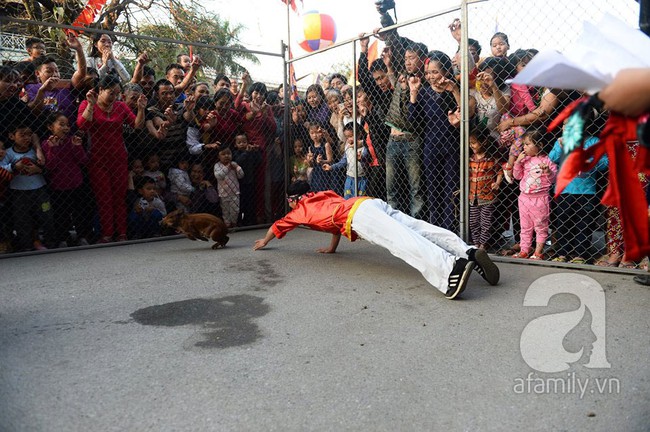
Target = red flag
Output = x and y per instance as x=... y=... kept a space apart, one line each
x=371 y=148
x=292 y=4
x=292 y=80
x=87 y=15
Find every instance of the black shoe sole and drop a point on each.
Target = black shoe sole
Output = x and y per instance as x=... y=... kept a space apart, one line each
x=485 y=267
x=463 y=281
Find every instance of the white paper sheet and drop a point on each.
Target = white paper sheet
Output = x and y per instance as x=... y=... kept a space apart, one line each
x=592 y=61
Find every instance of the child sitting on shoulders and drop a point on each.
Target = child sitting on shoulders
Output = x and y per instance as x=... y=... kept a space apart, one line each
x=352 y=158
x=147 y=212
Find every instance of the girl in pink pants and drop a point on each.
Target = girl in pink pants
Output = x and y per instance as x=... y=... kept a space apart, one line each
x=536 y=173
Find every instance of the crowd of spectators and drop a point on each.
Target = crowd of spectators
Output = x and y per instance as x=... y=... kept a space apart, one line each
x=103 y=154
x=106 y=153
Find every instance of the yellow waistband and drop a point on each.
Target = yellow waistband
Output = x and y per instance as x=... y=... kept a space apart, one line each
x=353 y=210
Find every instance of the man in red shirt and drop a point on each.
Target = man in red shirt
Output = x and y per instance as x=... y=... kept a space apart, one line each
x=443 y=258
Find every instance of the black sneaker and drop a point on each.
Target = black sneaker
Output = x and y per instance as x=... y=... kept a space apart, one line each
x=484 y=265
x=458 y=277
x=642 y=279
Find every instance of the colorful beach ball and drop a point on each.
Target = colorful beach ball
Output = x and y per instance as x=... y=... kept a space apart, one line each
x=319 y=31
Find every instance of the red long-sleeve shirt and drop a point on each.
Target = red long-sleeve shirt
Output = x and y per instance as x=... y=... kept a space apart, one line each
x=323 y=211
x=106 y=142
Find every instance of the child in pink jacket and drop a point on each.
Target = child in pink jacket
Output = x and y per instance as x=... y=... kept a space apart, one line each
x=536 y=173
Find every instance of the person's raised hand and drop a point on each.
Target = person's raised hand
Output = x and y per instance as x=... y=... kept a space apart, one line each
x=387 y=56
x=189 y=103
x=414 y=83
x=77 y=140
x=446 y=84
x=50 y=83
x=107 y=54
x=72 y=41
x=364 y=42
x=171 y=115
x=91 y=97
x=246 y=79
x=196 y=63
x=162 y=129
x=54 y=141
x=143 y=58
x=376 y=32
x=485 y=78
x=454 y=28
x=454 y=117
x=142 y=102
x=504 y=125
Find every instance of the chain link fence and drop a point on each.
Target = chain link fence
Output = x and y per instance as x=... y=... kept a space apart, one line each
x=383 y=118
x=403 y=90
x=99 y=146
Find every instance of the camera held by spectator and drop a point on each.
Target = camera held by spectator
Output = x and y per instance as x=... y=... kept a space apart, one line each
x=383 y=6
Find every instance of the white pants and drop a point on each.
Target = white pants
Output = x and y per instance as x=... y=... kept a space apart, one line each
x=430 y=249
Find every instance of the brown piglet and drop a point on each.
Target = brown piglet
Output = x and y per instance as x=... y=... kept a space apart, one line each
x=198 y=226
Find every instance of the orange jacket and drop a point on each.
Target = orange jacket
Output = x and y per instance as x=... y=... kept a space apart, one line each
x=323 y=211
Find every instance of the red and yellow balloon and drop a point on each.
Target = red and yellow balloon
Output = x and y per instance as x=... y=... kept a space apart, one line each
x=319 y=31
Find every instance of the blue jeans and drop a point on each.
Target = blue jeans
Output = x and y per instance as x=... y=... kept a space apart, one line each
x=362 y=184
x=403 y=171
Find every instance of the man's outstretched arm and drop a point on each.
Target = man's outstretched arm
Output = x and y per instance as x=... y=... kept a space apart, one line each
x=259 y=244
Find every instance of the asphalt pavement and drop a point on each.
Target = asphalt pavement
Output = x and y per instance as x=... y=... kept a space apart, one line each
x=175 y=336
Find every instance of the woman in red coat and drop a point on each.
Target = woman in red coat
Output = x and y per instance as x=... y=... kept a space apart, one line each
x=103 y=116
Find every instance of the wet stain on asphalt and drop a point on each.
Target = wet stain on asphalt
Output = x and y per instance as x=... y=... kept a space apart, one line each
x=265 y=274
x=224 y=322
